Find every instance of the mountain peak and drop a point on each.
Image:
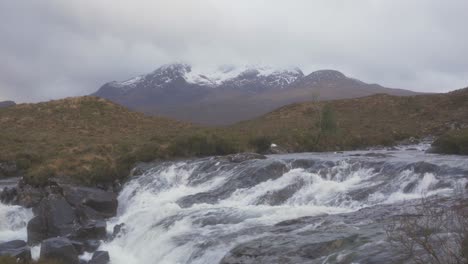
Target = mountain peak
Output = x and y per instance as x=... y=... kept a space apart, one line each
x=175 y=67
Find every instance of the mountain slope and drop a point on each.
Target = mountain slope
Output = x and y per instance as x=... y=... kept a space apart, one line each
x=84 y=138
x=228 y=95
x=374 y=120
x=7 y=104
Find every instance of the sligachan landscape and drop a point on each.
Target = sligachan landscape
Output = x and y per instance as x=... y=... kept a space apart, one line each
x=272 y=156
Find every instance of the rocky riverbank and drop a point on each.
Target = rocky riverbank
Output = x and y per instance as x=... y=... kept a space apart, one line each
x=68 y=221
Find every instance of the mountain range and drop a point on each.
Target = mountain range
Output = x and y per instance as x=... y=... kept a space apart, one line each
x=230 y=94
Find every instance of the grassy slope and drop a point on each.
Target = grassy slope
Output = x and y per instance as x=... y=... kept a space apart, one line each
x=91 y=140
x=85 y=138
x=374 y=120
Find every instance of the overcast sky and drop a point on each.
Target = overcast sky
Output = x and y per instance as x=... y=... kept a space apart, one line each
x=54 y=48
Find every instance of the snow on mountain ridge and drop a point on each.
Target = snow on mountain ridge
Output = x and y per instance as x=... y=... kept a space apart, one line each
x=220 y=75
x=213 y=77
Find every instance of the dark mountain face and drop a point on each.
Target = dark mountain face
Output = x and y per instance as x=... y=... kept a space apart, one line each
x=228 y=94
x=7 y=104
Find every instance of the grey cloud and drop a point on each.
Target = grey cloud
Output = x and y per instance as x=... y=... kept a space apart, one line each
x=53 y=48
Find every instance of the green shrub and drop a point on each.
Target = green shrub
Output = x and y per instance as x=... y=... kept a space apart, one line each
x=39 y=175
x=201 y=145
x=261 y=144
x=455 y=142
x=328 y=123
x=100 y=171
x=23 y=164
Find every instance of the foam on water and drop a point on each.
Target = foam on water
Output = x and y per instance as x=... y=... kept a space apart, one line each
x=13 y=221
x=158 y=230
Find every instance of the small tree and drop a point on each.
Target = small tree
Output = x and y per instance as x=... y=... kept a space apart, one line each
x=433 y=234
x=328 y=120
x=327 y=123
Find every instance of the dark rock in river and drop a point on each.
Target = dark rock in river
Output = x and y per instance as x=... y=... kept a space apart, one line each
x=91 y=245
x=37 y=230
x=118 y=229
x=54 y=217
x=249 y=176
x=29 y=196
x=91 y=230
x=241 y=157
x=278 y=197
x=285 y=250
x=61 y=249
x=79 y=246
x=422 y=167
x=100 y=257
x=99 y=200
x=17 y=249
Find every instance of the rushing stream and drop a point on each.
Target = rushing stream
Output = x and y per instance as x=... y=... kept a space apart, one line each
x=295 y=208
x=274 y=210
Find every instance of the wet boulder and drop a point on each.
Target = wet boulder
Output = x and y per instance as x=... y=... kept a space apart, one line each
x=17 y=249
x=286 y=249
x=103 y=202
x=54 y=217
x=37 y=230
x=91 y=245
x=86 y=214
x=100 y=257
x=278 y=197
x=250 y=176
x=60 y=249
x=29 y=196
x=422 y=167
x=91 y=230
x=118 y=230
x=241 y=157
x=79 y=246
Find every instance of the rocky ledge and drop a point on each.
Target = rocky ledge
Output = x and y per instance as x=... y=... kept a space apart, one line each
x=68 y=221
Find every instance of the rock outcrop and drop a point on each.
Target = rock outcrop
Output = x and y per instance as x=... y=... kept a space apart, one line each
x=17 y=249
x=60 y=249
x=68 y=220
x=100 y=257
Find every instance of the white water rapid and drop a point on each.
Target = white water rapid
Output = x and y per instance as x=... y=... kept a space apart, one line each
x=198 y=211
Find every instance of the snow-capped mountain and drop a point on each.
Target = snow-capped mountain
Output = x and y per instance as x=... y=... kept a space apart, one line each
x=228 y=94
x=230 y=76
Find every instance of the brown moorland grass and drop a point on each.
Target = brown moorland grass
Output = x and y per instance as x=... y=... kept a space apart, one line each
x=374 y=120
x=91 y=140
x=84 y=138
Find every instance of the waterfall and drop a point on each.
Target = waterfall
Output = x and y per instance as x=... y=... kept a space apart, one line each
x=197 y=211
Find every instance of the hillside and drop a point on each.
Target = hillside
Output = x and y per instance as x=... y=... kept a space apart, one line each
x=229 y=94
x=92 y=140
x=6 y=104
x=83 y=138
x=374 y=120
